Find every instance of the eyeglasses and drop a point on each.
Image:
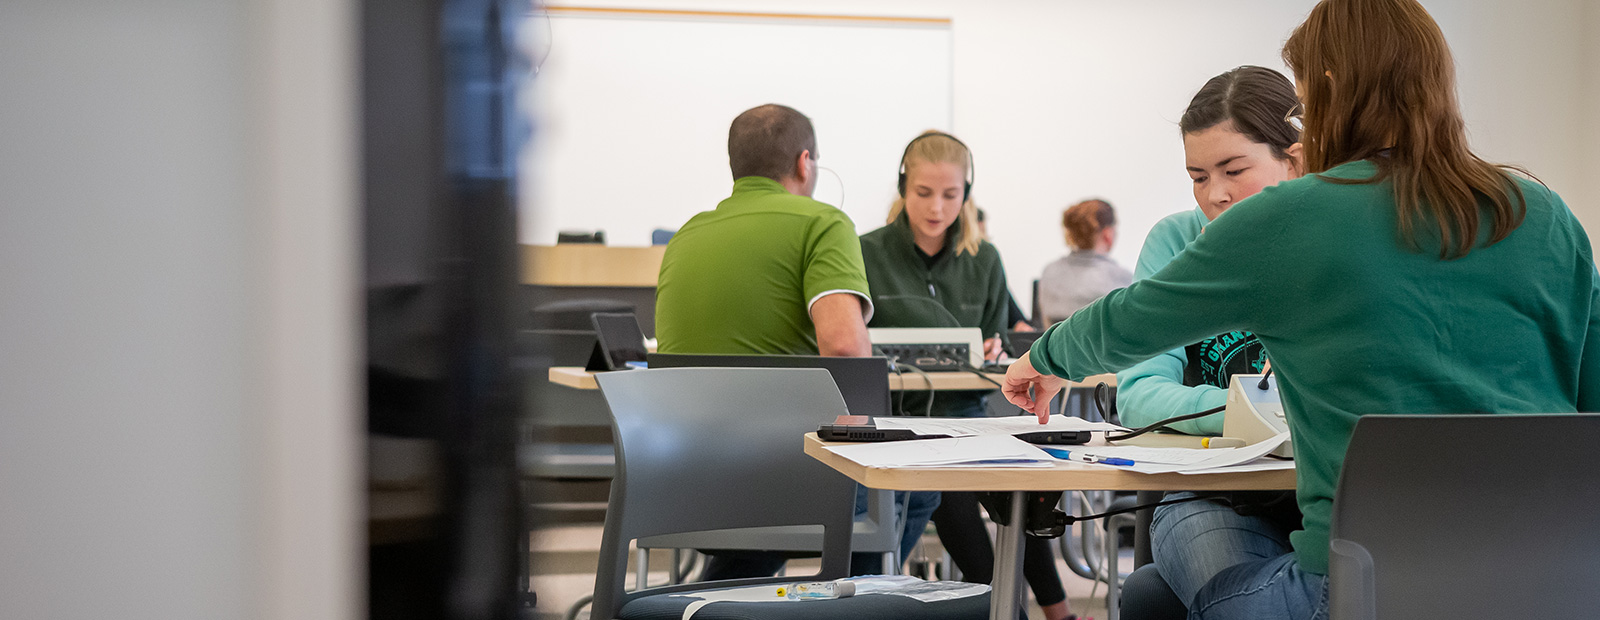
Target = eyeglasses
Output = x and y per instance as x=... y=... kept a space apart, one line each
x=1295 y=117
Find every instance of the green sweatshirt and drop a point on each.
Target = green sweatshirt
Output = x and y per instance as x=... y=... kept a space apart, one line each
x=958 y=290
x=1358 y=322
x=1188 y=379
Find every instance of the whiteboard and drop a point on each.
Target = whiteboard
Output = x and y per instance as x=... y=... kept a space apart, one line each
x=630 y=114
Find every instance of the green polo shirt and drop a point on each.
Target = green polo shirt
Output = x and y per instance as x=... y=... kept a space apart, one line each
x=1357 y=322
x=741 y=279
x=957 y=290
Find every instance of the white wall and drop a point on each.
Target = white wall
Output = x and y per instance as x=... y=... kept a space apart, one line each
x=1583 y=195
x=176 y=385
x=617 y=95
x=1063 y=100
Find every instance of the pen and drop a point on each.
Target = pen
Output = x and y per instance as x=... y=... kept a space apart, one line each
x=1086 y=458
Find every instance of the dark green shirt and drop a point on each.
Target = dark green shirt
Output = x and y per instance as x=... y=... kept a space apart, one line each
x=1358 y=322
x=741 y=279
x=952 y=290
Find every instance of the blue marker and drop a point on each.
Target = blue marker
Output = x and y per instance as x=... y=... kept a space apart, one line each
x=1067 y=455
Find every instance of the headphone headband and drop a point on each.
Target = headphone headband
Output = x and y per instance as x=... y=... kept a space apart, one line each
x=972 y=173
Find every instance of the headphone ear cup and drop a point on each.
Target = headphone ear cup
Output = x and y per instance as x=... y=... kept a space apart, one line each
x=966 y=192
x=900 y=185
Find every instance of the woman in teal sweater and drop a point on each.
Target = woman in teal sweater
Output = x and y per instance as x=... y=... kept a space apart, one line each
x=1236 y=141
x=1403 y=275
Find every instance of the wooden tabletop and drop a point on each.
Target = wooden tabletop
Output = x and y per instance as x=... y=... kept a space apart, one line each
x=591 y=265
x=1063 y=476
x=575 y=377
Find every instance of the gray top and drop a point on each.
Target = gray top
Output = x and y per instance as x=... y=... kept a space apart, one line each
x=1076 y=280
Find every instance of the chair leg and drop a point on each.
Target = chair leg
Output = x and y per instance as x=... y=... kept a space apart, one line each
x=673 y=575
x=642 y=569
x=1113 y=591
x=889 y=565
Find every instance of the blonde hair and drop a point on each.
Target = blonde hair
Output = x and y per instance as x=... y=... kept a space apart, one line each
x=937 y=147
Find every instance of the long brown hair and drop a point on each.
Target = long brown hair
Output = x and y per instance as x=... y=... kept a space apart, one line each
x=1378 y=83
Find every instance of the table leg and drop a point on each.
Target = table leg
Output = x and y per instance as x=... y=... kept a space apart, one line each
x=1005 y=597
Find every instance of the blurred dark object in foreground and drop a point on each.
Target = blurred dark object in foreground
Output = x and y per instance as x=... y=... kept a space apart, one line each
x=440 y=135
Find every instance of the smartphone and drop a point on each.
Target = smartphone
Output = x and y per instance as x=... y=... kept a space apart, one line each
x=1055 y=438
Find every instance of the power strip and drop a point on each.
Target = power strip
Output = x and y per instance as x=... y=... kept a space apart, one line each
x=933 y=357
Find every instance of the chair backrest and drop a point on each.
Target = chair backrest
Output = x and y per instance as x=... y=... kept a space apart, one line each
x=1038 y=312
x=862 y=381
x=718 y=448
x=1467 y=516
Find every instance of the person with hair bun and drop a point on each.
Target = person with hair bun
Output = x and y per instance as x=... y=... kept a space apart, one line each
x=1088 y=273
x=1402 y=274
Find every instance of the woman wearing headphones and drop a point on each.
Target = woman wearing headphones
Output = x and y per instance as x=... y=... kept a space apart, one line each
x=930 y=267
x=1401 y=275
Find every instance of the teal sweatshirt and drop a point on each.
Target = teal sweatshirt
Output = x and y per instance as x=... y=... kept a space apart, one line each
x=958 y=290
x=1176 y=383
x=1359 y=322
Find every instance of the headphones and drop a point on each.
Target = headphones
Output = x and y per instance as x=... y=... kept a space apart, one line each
x=972 y=174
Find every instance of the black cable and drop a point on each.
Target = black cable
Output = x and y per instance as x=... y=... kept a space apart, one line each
x=900 y=406
x=1163 y=424
x=982 y=375
x=928 y=411
x=1101 y=390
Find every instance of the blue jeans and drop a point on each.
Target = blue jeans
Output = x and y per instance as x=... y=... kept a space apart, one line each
x=1272 y=588
x=1219 y=562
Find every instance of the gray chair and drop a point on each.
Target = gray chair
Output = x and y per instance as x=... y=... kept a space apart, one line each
x=1467 y=516
x=708 y=449
x=864 y=384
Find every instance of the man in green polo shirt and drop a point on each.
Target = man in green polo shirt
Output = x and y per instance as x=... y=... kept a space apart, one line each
x=770 y=271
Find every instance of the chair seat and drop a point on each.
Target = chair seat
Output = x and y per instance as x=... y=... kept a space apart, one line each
x=864 y=607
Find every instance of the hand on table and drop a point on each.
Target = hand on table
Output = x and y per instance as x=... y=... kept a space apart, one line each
x=1028 y=389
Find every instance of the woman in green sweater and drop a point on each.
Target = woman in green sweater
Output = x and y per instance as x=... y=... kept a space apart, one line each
x=1402 y=275
x=930 y=267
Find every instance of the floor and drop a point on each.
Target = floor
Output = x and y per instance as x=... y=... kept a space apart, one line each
x=564 y=560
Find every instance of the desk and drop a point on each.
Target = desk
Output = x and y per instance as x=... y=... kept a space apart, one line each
x=1005 y=602
x=575 y=377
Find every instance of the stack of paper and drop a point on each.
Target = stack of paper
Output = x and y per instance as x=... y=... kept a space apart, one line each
x=1003 y=450
x=972 y=451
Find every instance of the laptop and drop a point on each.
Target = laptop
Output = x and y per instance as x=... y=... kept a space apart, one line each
x=619 y=342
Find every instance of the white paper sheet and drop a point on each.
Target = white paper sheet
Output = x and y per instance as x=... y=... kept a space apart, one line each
x=1196 y=459
x=978 y=451
x=1263 y=464
x=1009 y=425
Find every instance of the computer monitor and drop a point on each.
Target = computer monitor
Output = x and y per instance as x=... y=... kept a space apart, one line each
x=862 y=381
